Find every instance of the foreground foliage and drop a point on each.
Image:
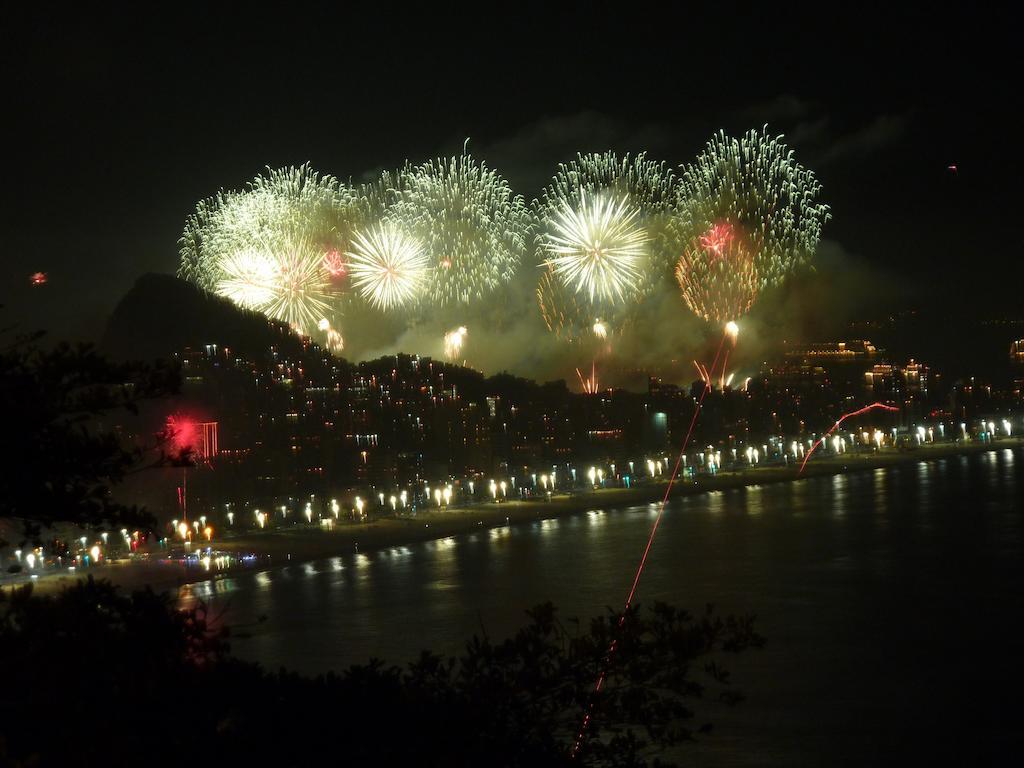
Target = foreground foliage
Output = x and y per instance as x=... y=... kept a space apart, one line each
x=67 y=459
x=96 y=677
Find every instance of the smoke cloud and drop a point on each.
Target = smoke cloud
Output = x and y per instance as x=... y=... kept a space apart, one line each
x=507 y=332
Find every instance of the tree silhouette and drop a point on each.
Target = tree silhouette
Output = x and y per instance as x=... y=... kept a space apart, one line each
x=61 y=459
x=95 y=677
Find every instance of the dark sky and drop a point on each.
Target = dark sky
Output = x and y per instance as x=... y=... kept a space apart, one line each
x=117 y=124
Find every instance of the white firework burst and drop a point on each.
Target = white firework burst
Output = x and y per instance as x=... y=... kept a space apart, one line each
x=597 y=247
x=388 y=267
x=453 y=341
x=335 y=342
x=276 y=205
x=283 y=279
x=246 y=278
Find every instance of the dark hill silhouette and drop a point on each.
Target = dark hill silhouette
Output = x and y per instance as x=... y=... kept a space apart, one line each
x=161 y=314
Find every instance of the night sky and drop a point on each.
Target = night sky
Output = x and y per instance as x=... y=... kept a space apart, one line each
x=118 y=124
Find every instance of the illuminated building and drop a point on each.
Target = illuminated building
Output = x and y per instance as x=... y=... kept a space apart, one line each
x=1017 y=352
x=857 y=349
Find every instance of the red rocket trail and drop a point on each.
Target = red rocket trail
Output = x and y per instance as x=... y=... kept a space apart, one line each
x=643 y=560
x=843 y=418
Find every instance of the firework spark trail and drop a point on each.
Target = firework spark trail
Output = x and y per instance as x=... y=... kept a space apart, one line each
x=473 y=227
x=701 y=371
x=732 y=332
x=721 y=376
x=843 y=418
x=714 y=362
x=643 y=560
x=590 y=385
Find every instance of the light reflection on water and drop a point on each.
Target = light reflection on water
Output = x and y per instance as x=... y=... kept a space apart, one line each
x=850 y=577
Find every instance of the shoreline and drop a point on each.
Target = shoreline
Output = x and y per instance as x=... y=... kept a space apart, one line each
x=278 y=549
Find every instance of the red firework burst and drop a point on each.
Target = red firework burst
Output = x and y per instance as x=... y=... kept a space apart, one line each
x=334 y=265
x=182 y=432
x=717 y=238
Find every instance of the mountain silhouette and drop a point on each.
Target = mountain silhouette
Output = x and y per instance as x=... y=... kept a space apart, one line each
x=162 y=314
